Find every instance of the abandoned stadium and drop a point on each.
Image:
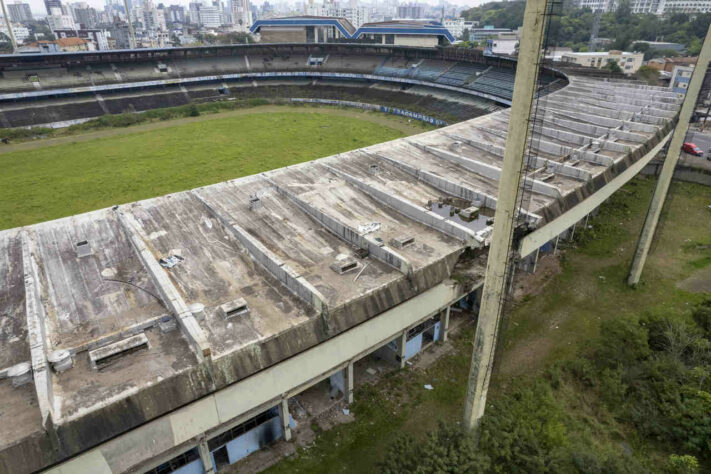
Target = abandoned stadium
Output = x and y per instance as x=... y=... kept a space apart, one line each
x=175 y=331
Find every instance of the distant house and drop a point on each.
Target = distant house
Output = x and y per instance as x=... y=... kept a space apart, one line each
x=681 y=75
x=65 y=45
x=668 y=64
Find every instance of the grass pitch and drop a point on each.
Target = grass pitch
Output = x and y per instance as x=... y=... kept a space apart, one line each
x=40 y=183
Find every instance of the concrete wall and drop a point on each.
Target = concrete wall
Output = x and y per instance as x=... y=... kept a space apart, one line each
x=417 y=40
x=283 y=35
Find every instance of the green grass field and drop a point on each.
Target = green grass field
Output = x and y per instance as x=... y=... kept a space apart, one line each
x=80 y=175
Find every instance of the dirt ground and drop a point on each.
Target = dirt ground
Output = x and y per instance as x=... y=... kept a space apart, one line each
x=698 y=282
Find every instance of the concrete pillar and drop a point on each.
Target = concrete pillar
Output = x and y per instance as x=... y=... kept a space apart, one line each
x=495 y=280
x=535 y=259
x=206 y=457
x=665 y=177
x=284 y=415
x=401 y=348
x=10 y=33
x=444 y=329
x=350 y=385
x=555 y=247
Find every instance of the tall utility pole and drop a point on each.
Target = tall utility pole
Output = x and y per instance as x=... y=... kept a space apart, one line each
x=10 y=33
x=665 y=177
x=500 y=251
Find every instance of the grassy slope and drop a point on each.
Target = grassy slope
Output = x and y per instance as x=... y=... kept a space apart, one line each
x=575 y=301
x=56 y=181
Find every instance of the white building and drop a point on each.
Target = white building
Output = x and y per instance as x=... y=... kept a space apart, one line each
x=628 y=62
x=21 y=32
x=60 y=21
x=657 y=7
x=241 y=12
x=503 y=44
x=457 y=26
x=354 y=14
x=680 y=77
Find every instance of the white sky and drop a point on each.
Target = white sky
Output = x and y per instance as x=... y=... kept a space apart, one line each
x=38 y=5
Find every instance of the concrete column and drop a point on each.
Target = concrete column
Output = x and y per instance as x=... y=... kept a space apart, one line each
x=555 y=247
x=131 y=33
x=535 y=259
x=284 y=415
x=444 y=329
x=206 y=457
x=509 y=187
x=350 y=385
x=10 y=33
x=664 y=180
x=401 y=348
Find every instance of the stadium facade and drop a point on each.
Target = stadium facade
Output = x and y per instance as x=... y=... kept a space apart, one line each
x=166 y=330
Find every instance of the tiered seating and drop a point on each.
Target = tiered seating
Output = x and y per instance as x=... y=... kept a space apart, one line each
x=496 y=82
x=396 y=67
x=460 y=74
x=430 y=70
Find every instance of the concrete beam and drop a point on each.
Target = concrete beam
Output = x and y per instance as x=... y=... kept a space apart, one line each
x=600 y=120
x=263 y=389
x=347 y=233
x=489 y=171
x=533 y=241
x=416 y=213
x=286 y=275
x=498 y=262
x=36 y=333
x=664 y=181
x=620 y=103
x=619 y=99
x=639 y=115
x=455 y=189
x=580 y=140
x=595 y=130
x=536 y=161
x=169 y=294
x=575 y=87
x=626 y=86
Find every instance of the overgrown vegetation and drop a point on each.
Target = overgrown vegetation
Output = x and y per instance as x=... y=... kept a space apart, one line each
x=650 y=374
x=591 y=374
x=572 y=27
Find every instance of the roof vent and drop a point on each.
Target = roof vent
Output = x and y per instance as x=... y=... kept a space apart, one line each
x=20 y=374
x=375 y=169
x=456 y=146
x=470 y=213
x=403 y=241
x=343 y=266
x=254 y=202
x=61 y=360
x=234 y=308
x=83 y=249
x=198 y=311
x=167 y=323
x=106 y=355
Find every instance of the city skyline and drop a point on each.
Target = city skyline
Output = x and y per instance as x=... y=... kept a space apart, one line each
x=38 y=8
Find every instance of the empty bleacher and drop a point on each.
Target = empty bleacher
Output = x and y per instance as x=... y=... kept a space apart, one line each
x=461 y=73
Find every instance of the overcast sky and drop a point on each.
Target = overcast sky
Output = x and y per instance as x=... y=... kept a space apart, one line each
x=38 y=5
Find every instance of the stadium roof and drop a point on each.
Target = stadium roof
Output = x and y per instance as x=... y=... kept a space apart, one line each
x=343 y=25
x=396 y=27
x=405 y=27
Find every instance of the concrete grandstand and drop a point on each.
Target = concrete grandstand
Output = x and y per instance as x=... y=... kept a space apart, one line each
x=157 y=331
x=66 y=87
